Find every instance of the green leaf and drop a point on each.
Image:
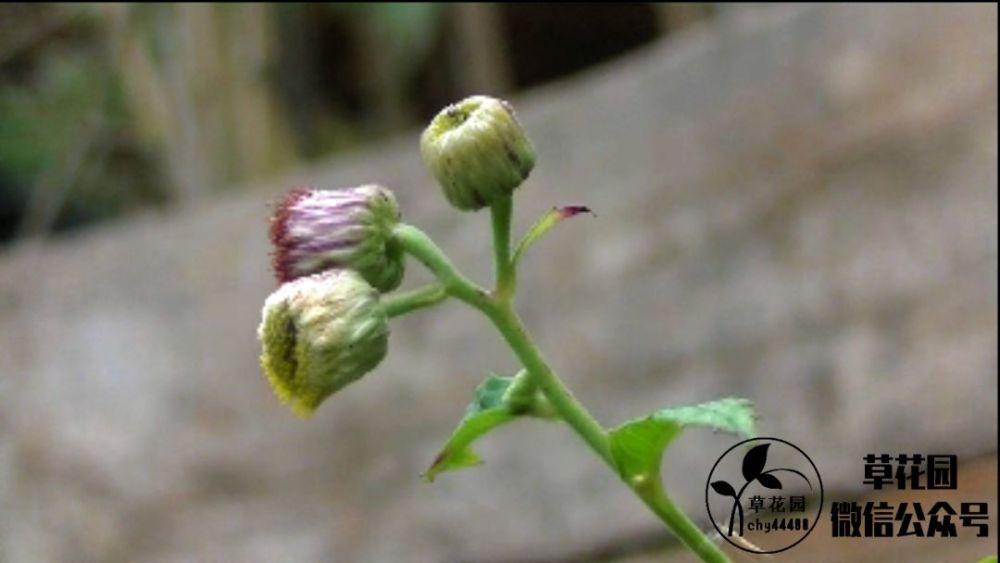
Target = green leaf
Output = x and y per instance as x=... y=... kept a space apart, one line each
x=546 y=222
x=638 y=445
x=486 y=412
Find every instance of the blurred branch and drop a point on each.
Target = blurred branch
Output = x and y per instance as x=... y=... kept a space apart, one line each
x=53 y=187
x=675 y=16
x=382 y=82
x=480 y=61
x=21 y=31
x=196 y=80
x=395 y=39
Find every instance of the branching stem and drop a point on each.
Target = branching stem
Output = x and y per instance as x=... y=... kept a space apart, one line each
x=498 y=307
x=408 y=301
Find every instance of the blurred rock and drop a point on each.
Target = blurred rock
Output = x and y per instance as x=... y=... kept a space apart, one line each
x=799 y=207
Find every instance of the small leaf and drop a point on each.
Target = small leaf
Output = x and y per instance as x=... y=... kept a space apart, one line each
x=637 y=446
x=754 y=461
x=489 y=409
x=724 y=489
x=769 y=481
x=546 y=222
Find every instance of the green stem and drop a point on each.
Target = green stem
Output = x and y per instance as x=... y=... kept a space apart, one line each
x=521 y=393
x=500 y=311
x=408 y=301
x=501 y=212
x=687 y=531
x=559 y=396
x=413 y=241
x=570 y=410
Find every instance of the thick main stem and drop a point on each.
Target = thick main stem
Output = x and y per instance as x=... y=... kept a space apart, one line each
x=559 y=396
x=587 y=427
x=687 y=531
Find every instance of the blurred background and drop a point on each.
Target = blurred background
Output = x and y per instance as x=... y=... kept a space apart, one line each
x=796 y=204
x=107 y=109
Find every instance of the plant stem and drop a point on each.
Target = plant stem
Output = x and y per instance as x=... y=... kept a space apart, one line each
x=419 y=245
x=571 y=411
x=408 y=301
x=414 y=242
x=501 y=212
x=501 y=312
x=521 y=393
x=559 y=396
x=687 y=531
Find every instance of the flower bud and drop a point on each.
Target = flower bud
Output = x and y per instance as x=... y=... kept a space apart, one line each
x=477 y=151
x=317 y=230
x=320 y=333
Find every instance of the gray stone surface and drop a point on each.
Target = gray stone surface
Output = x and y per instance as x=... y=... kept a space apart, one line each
x=797 y=205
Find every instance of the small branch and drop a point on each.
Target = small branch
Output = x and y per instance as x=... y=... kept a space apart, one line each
x=501 y=212
x=405 y=302
x=416 y=243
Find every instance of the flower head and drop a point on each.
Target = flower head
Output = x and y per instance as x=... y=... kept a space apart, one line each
x=320 y=333
x=477 y=151
x=316 y=230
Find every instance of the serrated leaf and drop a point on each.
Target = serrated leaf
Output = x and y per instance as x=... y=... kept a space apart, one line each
x=545 y=223
x=638 y=445
x=485 y=413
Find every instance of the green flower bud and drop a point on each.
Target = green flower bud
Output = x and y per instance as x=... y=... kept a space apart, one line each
x=477 y=151
x=317 y=230
x=320 y=333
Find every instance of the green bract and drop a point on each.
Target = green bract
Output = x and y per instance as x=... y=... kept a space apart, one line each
x=320 y=333
x=477 y=151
